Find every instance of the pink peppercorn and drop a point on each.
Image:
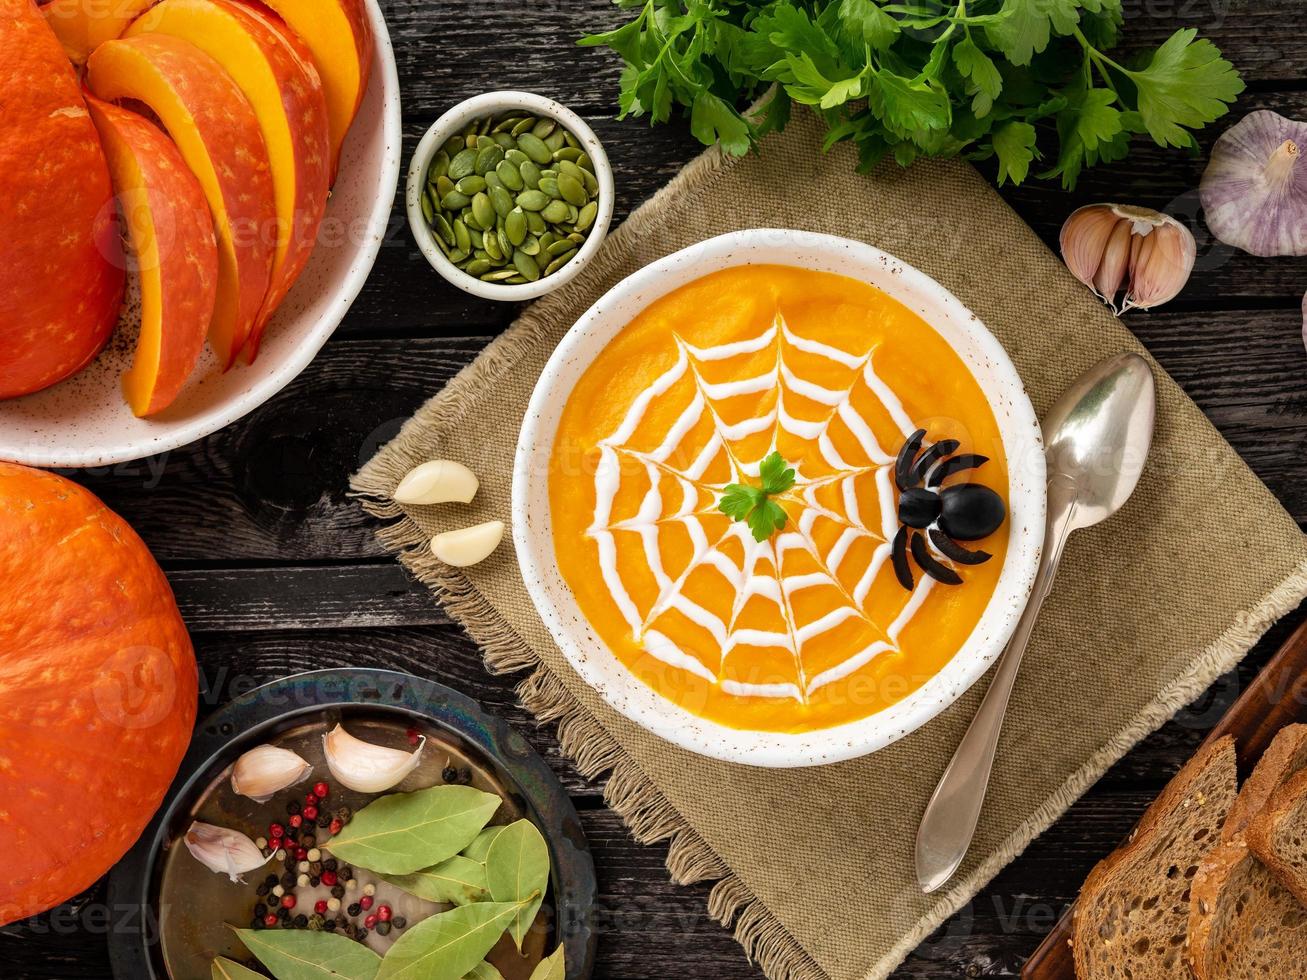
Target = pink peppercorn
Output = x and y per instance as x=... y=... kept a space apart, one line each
x=310 y=813
x=370 y=921
x=365 y=902
x=296 y=820
x=383 y=913
x=320 y=906
x=321 y=790
x=329 y=878
x=288 y=901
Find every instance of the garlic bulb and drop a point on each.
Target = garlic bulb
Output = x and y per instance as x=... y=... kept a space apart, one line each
x=469 y=545
x=1116 y=247
x=364 y=767
x=225 y=851
x=441 y=481
x=266 y=770
x=1254 y=191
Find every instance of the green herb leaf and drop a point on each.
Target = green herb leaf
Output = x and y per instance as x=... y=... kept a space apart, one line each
x=294 y=954
x=1023 y=28
x=406 y=832
x=517 y=870
x=866 y=23
x=907 y=104
x=986 y=82
x=1186 y=84
x=225 y=969
x=447 y=946
x=553 y=967
x=1014 y=142
x=766 y=519
x=458 y=881
x=713 y=121
x=775 y=475
x=484 y=971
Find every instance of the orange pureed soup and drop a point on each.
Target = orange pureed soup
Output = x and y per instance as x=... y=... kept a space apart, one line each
x=809 y=628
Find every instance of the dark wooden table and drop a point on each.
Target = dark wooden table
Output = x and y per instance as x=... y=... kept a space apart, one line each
x=278 y=571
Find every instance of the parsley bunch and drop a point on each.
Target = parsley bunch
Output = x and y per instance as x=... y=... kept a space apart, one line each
x=745 y=502
x=1020 y=80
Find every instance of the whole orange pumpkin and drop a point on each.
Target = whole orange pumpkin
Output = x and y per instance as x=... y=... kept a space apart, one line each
x=97 y=689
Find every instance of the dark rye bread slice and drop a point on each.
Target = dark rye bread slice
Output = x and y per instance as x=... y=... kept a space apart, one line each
x=1278 y=835
x=1132 y=918
x=1244 y=924
x=1285 y=756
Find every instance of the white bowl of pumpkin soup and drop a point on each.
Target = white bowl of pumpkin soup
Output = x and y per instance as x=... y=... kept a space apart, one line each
x=779 y=498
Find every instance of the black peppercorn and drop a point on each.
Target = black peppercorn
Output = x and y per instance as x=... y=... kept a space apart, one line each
x=288 y=923
x=346 y=873
x=301 y=921
x=329 y=925
x=270 y=880
x=383 y=928
x=449 y=774
x=465 y=776
x=256 y=923
x=288 y=881
x=324 y=822
x=260 y=910
x=330 y=864
x=343 y=814
x=283 y=914
x=307 y=841
x=293 y=807
x=354 y=909
x=315 y=867
x=262 y=889
x=399 y=922
x=361 y=935
x=314 y=881
x=337 y=891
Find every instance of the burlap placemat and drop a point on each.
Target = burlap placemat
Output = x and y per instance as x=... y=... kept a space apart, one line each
x=814 y=867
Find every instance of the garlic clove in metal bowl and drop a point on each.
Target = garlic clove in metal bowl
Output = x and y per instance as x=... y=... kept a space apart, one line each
x=1131 y=257
x=266 y=770
x=1254 y=190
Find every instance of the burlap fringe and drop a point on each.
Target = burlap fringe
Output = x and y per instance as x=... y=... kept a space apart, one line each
x=645 y=811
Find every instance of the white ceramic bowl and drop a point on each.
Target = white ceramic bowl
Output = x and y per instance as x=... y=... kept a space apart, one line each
x=84 y=421
x=533 y=531
x=452 y=123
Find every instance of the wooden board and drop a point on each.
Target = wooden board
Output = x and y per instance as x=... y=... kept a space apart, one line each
x=1277 y=698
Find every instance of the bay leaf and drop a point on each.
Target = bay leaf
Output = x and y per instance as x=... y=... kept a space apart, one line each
x=517 y=870
x=458 y=881
x=480 y=847
x=406 y=832
x=295 y=954
x=484 y=971
x=552 y=967
x=449 y=945
x=225 y=969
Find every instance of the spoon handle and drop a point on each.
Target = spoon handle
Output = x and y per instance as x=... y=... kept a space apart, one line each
x=949 y=823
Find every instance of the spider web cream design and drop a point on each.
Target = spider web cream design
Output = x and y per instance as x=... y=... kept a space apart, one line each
x=708 y=445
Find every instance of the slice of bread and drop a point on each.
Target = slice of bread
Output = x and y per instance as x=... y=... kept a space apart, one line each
x=1278 y=835
x=1132 y=919
x=1243 y=924
x=1285 y=756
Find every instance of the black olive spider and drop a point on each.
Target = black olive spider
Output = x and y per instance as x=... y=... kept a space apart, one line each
x=962 y=512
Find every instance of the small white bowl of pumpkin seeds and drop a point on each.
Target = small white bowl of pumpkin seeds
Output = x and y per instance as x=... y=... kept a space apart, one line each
x=509 y=195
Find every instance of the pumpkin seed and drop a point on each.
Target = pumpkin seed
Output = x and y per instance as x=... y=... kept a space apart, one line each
x=549 y=172
x=515 y=226
x=474 y=234
x=516 y=280
x=444 y=229
x=554 y=141
x=557 y=248
x=461 y=237
x=571 y=140
x=534 y=200
x=510 y=175
x=492 y=180
x=499 y=275
x=507 y=123
x=443 y=247
x=428 y=211
x=470 y=141
x=443 y=186
x=505 y=246
x=439 y=166
x=570 y=169
x=530 y=174
x=454 y=201
x=587 y=216
x=550 y=186
x=577 y=237
x=569 y=153
x=485 y=142
x=554 y=211
x=535 y=148
x=526 y=265
x=516 y=157
x=471 y=184
x=585 y=163
x=505 y=141
x=463 y=163
x=488 y=158
x=535 y=223
x=478 y=266
x=491 y=243
x=573 y=190
x=523 y=126
x=591 y=182
x=543 y=127
x=559 y=262
x=502 y=201
x=483 y=210
x=531 y=246
x=458 y=255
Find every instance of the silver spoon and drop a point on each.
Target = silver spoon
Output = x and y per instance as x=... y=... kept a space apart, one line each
x=1097 y=437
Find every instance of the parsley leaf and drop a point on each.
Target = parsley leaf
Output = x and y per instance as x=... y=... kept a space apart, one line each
x=753 y=505
x=1186 y=84
x=1014 y=142
x=984 y=81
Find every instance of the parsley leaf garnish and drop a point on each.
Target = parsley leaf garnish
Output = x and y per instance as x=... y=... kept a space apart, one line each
x=744 y=502
x=1013 y=81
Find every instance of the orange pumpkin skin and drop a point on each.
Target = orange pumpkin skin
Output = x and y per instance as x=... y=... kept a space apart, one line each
x=61 y=269
x=98 y=689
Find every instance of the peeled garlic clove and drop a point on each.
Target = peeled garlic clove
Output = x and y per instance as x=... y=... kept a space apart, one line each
x=364 y=767
x=1254 y=190
x=266 y=770
x=441 y=481
x=222 y=850
x=1163 y=267
x=469 y=545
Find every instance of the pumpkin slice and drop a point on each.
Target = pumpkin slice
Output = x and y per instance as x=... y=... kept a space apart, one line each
x=83 y=25
x=277 y=75
x=61 y=276
x=170 y=232
x=339 y=34
x=214 y=127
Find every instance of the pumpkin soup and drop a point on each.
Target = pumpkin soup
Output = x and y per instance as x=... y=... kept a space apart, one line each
x=837 y=608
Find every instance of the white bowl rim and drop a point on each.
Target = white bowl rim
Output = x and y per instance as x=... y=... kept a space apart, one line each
x=208 y=422
x=485 y=104
x=600 y=668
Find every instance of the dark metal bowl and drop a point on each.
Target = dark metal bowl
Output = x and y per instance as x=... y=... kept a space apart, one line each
x=178 y=908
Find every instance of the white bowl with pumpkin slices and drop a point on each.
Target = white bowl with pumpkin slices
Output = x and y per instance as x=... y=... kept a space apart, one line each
x=246 y=156
x=712 y=518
